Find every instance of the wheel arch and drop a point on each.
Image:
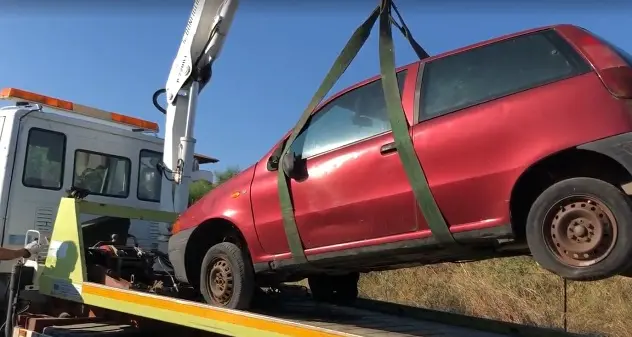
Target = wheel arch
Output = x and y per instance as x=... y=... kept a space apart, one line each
x=209 y=233
x=568 y=163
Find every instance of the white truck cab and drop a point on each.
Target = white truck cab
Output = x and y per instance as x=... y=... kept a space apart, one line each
x=48 y=145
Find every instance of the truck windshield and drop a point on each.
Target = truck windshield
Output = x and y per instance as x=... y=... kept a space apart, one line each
x=102 y=174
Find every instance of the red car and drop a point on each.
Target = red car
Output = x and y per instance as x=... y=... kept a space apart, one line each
x=526 y=143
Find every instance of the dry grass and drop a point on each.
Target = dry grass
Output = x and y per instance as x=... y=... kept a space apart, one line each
x=514 y=290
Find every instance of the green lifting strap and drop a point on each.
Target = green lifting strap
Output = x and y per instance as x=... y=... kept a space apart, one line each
x=421 y=53
x=341 y=64
x=399 y=125
x=403 y=141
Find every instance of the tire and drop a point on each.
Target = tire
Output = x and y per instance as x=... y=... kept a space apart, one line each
x=338 y=289
x=230 y=264
x=581 y=230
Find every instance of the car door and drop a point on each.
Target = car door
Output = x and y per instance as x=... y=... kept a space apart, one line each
x=481 y=116
x=356 y=188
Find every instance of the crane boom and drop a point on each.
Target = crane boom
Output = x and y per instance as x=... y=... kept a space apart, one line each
x=204 y=36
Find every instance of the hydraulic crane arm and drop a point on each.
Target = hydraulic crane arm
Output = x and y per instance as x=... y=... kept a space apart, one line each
x=204 y=36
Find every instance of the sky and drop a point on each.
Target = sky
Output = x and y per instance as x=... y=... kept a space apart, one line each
x=114 y=54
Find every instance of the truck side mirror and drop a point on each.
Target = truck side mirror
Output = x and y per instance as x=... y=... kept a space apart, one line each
x=202 y=175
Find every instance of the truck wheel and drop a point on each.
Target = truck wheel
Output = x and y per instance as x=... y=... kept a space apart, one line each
x=339 y=289
x=581 y=229
x=227 y=278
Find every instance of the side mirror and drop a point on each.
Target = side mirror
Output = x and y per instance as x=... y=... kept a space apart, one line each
x=273 y=161
x=288 y=163
x=294 y=166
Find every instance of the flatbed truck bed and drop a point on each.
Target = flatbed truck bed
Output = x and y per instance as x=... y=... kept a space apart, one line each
x=285 y=314
x=306 y=320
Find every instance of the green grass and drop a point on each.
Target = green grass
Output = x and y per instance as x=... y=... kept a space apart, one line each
x=511 y=289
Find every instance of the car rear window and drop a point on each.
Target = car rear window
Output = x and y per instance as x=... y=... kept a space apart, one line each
x=498 y=69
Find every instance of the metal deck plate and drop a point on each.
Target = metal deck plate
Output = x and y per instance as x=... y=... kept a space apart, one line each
x=361 y=322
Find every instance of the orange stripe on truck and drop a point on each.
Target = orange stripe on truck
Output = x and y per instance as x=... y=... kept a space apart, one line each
x=196 y=309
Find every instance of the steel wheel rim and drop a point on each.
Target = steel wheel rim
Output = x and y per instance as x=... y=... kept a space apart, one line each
x=220 y=281
x=580 y=231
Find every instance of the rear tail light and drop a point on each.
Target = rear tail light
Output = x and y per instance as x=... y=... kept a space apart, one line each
x=618 y=80
x=613 y=69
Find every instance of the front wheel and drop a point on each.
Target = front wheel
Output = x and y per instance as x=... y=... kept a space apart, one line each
x=227 y=278
x=581 y=229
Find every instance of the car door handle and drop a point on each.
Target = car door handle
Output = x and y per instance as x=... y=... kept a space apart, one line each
x=388 y=148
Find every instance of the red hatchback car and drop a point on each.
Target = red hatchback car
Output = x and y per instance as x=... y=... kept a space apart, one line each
x=526 y=143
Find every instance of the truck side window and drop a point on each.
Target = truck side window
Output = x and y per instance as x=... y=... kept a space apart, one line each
x=44 y=163
x=356 y=115
x=149 y=178
x=102 y=174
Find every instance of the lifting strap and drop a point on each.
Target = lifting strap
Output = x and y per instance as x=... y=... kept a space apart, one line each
x=399 y=126
x=401 y=134
x=421 y=53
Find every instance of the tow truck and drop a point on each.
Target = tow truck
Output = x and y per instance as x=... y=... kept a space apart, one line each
x=98 y=284
x=48 y=144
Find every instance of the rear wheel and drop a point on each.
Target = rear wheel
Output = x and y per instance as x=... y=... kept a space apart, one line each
x=339 y=289
x=227 y=278
x=581 y=229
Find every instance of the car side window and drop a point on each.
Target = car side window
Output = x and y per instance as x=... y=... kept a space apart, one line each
x=485 y=73
x=102 y=174
x=354 y=116
x=45 y=158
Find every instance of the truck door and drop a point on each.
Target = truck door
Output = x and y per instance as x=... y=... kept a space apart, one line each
x=37 y=182
x=106 y=165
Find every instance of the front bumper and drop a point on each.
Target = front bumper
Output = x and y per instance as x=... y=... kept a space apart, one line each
x=177 y=248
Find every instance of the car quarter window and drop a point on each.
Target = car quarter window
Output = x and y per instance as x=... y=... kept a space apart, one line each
x=44 y=162
x=354 y=116
x=495 y=70
x=102 y=174
x=149 y=178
